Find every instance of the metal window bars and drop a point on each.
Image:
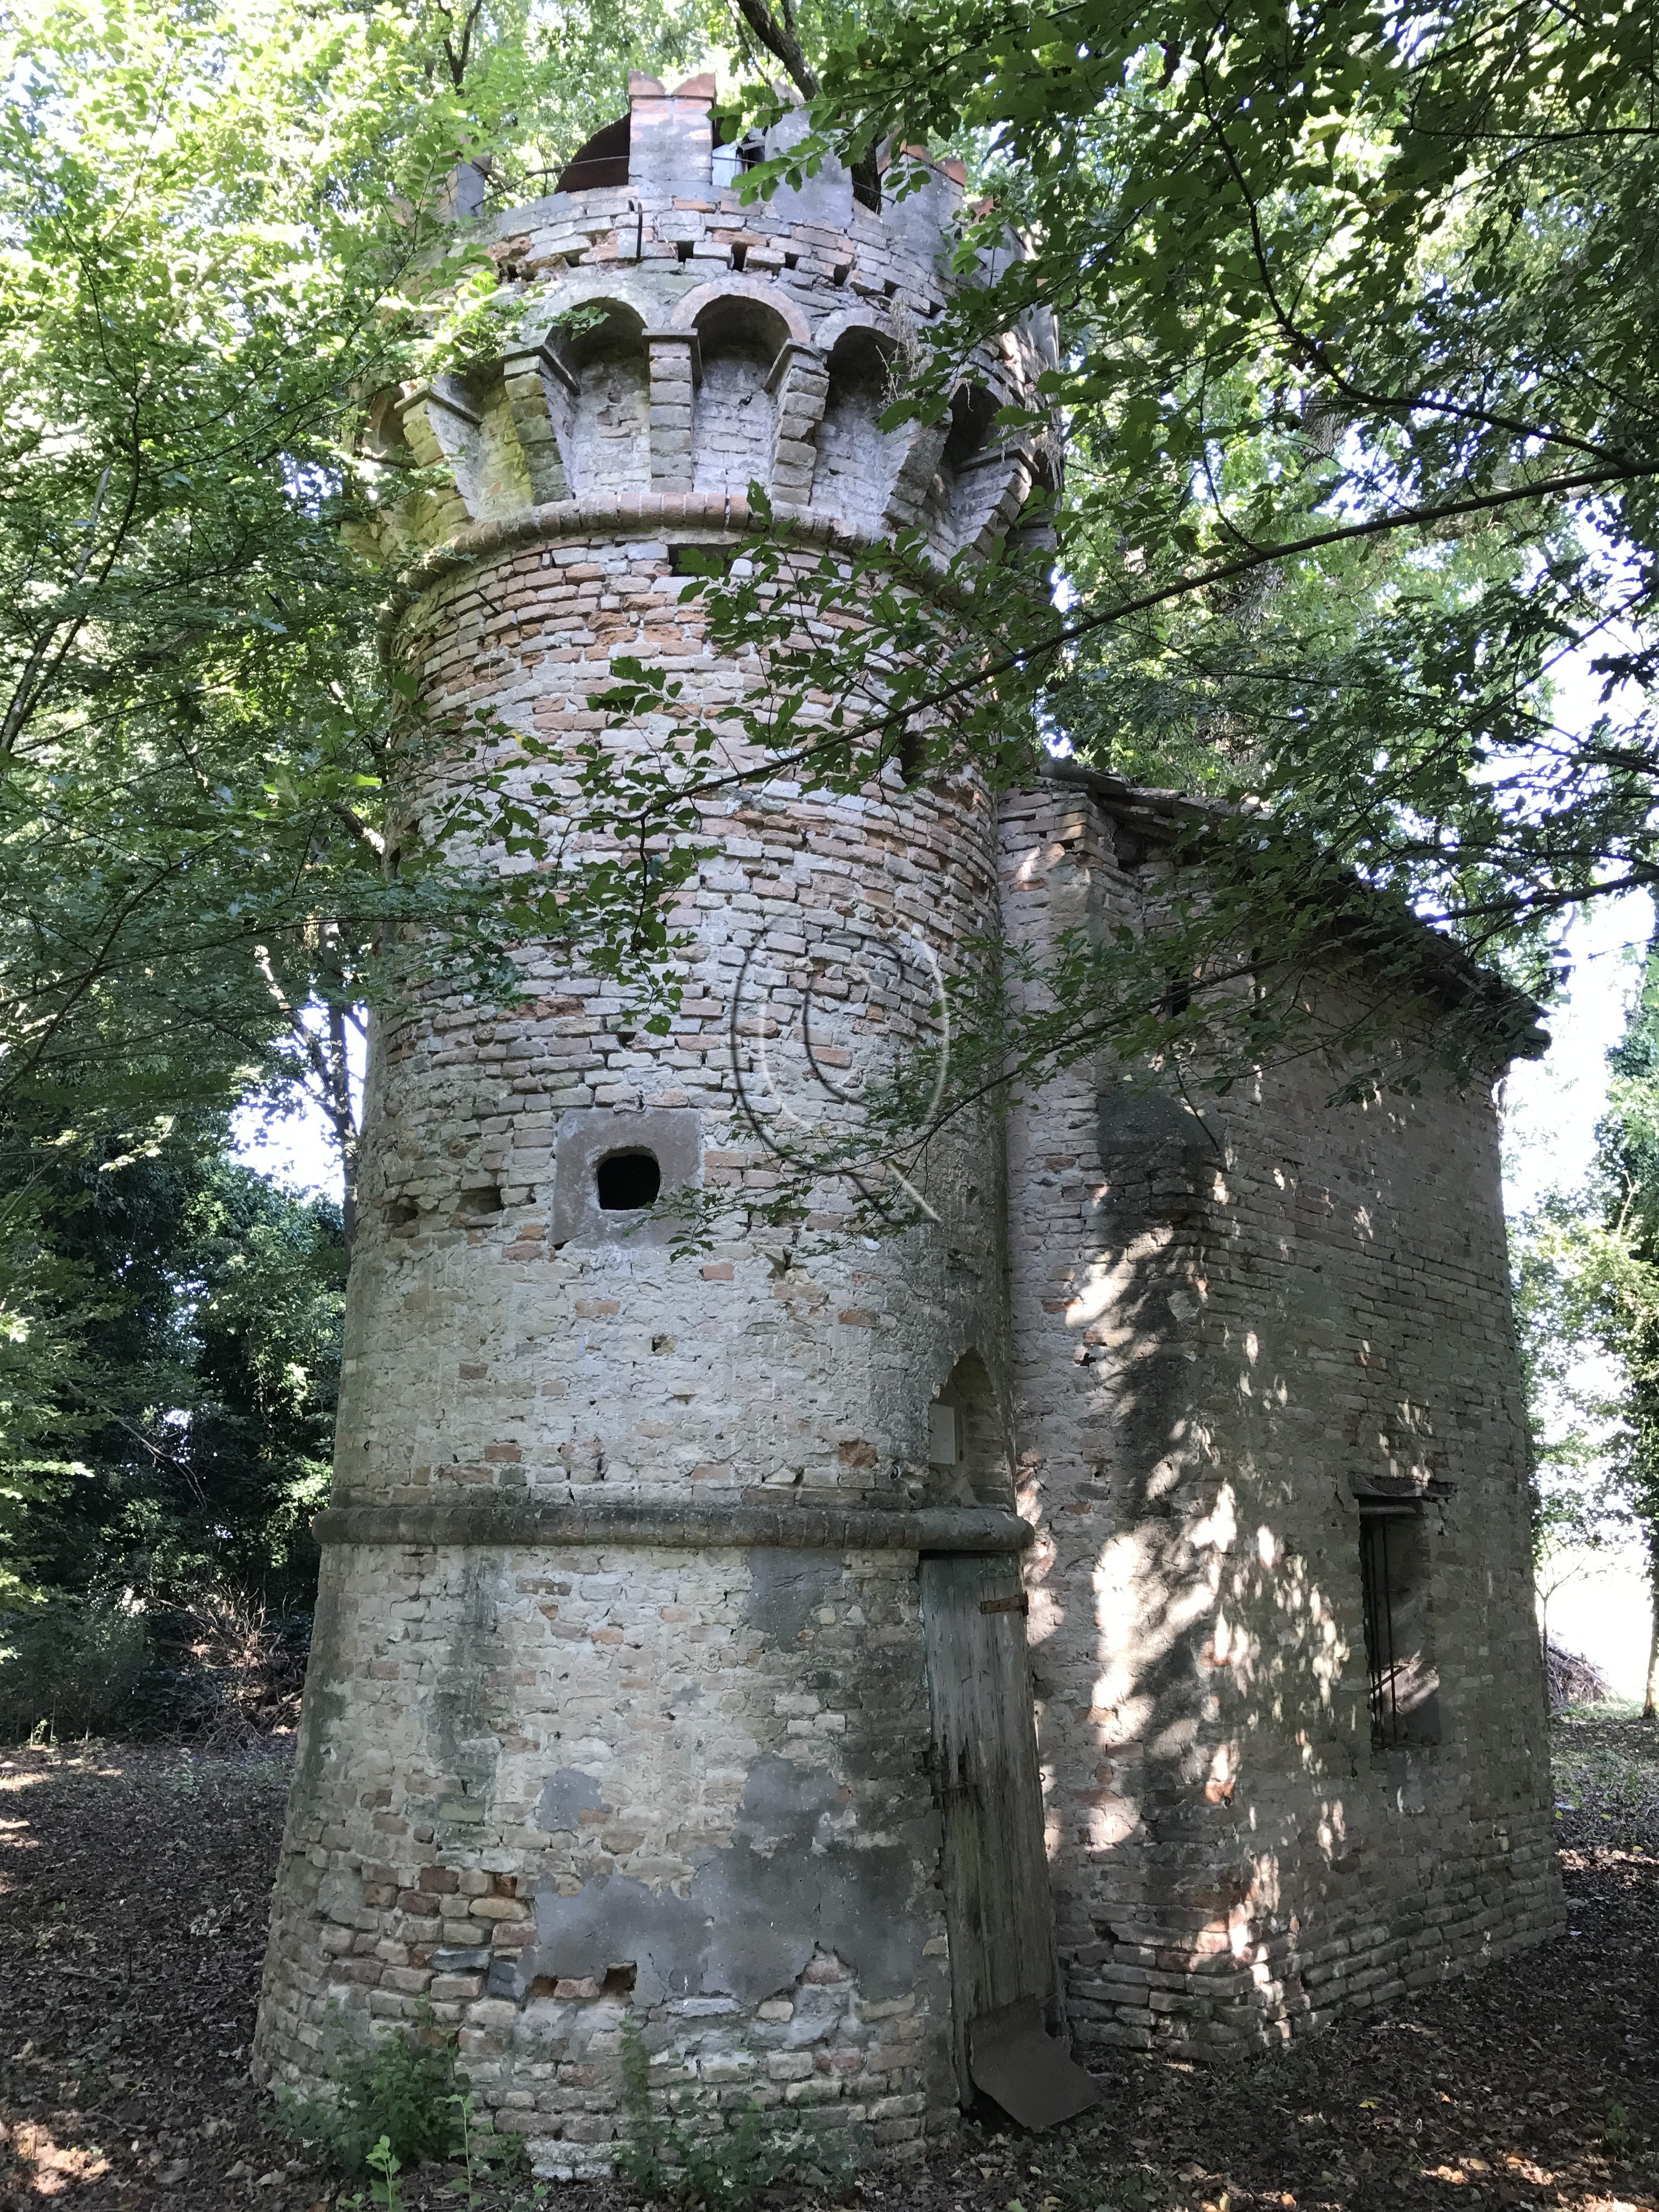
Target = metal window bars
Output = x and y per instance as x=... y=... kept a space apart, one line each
x=1376 y=1586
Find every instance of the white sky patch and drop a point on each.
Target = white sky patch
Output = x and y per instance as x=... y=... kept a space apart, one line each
x=294 y=1148
x=291 y=1140
x=1552 y=1105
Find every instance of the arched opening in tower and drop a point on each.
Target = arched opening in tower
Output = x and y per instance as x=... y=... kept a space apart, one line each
x=969 y=1461
x=972 y=465
x=739 y=338
x=855 y=467
x=608 y=441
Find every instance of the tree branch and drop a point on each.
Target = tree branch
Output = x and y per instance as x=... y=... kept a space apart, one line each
x=781 y=42
x=1022 y=657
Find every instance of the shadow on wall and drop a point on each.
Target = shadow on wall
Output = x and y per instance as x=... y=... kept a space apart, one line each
x=1238 y=1747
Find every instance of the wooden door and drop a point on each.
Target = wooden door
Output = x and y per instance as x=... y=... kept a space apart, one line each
x=998 y=1906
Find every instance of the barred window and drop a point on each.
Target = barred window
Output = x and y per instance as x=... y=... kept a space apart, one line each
x=1399 y=1624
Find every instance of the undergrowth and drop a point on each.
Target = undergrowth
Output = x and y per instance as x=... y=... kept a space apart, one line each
x=723 y=2160
x=398 y=2101
x=1607 y=1768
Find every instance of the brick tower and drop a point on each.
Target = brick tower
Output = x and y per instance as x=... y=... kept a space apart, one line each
x=671 y=1644
x=635 y=1565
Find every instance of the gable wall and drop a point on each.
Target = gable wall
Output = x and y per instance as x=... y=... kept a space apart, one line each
x=1222 y=1338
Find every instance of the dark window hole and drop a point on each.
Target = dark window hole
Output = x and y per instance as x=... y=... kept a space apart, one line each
x=740 y=255
x=485 y=1199
x=627 y=1181
x=792 y=261
x=399 y=1212
x=890 y=288
x=843 y=270
x=682 y=249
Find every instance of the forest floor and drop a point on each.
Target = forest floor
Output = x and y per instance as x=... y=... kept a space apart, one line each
x=132 y=1907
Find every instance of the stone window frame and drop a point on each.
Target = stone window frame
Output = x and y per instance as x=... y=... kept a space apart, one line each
x=585 y=1135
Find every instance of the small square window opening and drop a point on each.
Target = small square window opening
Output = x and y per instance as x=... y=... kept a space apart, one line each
x=627 y=1182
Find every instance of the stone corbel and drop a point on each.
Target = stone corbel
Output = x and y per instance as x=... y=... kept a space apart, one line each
x=921 y=448
x=676 y=365
x=992 y=495
x=438 y=428
x=528 y=372
x=799 y=382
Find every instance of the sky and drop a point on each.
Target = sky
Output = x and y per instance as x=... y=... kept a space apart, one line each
x=1550 y=1108
x=296 y=1150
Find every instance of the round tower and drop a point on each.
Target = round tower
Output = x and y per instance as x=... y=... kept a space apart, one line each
x=668 y=1654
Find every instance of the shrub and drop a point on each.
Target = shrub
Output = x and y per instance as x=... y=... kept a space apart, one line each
x=714 y=2167
x=70 y=1667
x=401 y=2090
x=221 y=1670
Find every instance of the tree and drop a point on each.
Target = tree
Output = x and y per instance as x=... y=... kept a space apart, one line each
x=1580 y=1287
x=1358 y=388
x=221 y=224
x=1588 y=1306
x=1629 y=1294
x=186 y=1432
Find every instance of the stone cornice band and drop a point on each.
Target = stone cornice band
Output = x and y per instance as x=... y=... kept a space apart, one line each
x=671 y=1527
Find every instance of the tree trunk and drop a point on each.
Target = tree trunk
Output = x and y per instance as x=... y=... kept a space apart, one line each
x=1650 y=1692
x=339 y=1109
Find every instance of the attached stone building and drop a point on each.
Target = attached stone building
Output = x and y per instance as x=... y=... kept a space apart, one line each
x=1106 y=1612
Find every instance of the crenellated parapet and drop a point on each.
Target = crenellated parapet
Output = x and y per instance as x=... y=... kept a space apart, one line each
x=672 y=339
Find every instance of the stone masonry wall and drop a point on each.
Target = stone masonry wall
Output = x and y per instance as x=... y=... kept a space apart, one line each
x=548 y=1784
x=1227 y=1333
x=502 y=1360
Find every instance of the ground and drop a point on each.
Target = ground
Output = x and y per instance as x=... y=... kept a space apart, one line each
x=132 y=1906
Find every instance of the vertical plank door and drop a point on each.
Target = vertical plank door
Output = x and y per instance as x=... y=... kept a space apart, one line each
x=998 y=1908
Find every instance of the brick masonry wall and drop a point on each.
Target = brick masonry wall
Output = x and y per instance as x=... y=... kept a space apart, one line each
x=747 y=1722
x=1224 y=1338
x=547 y=1779
x=618 y=1698
x=739 y=342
